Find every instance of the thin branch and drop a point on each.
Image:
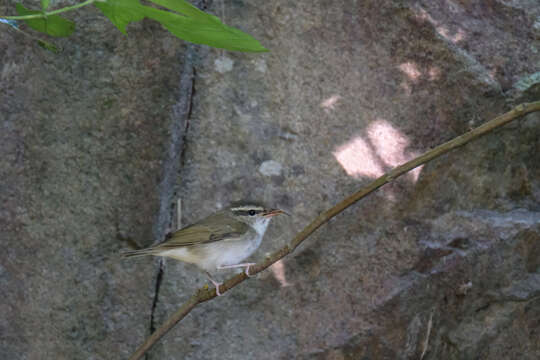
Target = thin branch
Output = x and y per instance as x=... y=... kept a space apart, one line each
x=425 y=344
x=44 y=14
x=205 y=294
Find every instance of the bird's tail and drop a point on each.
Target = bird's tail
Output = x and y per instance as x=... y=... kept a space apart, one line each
x=141 y=252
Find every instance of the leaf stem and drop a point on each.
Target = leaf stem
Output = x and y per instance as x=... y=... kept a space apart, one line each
x=49 y=13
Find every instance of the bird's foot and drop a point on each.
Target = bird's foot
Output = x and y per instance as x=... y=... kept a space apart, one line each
x=216 y=284
x=244 y=265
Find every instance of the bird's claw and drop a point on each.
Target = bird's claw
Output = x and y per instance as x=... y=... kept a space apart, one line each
x=216 y=284
x=246 y=271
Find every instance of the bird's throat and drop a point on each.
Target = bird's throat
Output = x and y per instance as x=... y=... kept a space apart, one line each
x=261 y=225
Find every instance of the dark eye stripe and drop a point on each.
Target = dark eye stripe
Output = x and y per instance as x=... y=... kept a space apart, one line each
x=247 y=212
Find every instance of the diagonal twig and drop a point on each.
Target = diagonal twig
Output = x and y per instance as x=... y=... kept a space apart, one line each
x=205 y=294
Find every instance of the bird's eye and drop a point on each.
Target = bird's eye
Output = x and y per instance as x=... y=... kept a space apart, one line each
x=251 y=212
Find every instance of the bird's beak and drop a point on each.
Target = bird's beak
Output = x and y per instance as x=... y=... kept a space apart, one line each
x=274 y=212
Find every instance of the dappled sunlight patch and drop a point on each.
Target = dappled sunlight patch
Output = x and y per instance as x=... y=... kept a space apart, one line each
x=411 y=70
x=443 y=30
x=381 y=149
x=331 y=102
x=453 y=37
x=434 y=73
x=358 y=159
x=391 y=145
x=278 y=270
x=415 y=74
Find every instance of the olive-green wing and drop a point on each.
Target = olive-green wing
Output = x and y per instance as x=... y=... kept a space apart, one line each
x=214 y=228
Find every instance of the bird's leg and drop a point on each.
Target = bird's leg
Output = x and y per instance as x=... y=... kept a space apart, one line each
x=216 y=284
x=246 y=265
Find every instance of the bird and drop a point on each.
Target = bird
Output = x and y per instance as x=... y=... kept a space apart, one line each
x=220 y=241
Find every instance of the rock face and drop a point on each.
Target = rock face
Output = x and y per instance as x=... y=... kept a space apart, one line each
x=83 y=136
x=444 y=263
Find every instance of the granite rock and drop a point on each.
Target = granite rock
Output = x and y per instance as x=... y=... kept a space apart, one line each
x=443 y=263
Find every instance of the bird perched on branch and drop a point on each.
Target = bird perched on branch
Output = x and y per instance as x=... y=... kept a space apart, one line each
x=220 y=241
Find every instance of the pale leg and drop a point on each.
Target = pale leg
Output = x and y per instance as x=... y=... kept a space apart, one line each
x=216 y=284
x=246 y=265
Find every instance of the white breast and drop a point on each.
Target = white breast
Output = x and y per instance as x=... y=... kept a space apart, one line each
x=229 y=252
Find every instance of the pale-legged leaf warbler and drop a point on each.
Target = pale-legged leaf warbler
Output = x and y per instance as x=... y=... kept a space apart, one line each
x=220 y=241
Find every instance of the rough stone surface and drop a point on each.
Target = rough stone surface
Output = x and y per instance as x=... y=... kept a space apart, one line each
x=444 y=263
x=82 y=141
x=270 y=167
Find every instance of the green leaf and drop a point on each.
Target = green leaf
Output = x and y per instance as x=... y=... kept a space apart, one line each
x=204 y=32
x=121 y=12
x=45 y=4
x=194 y=25
x=53 y=25
x=48 y=46
x=185 y=8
